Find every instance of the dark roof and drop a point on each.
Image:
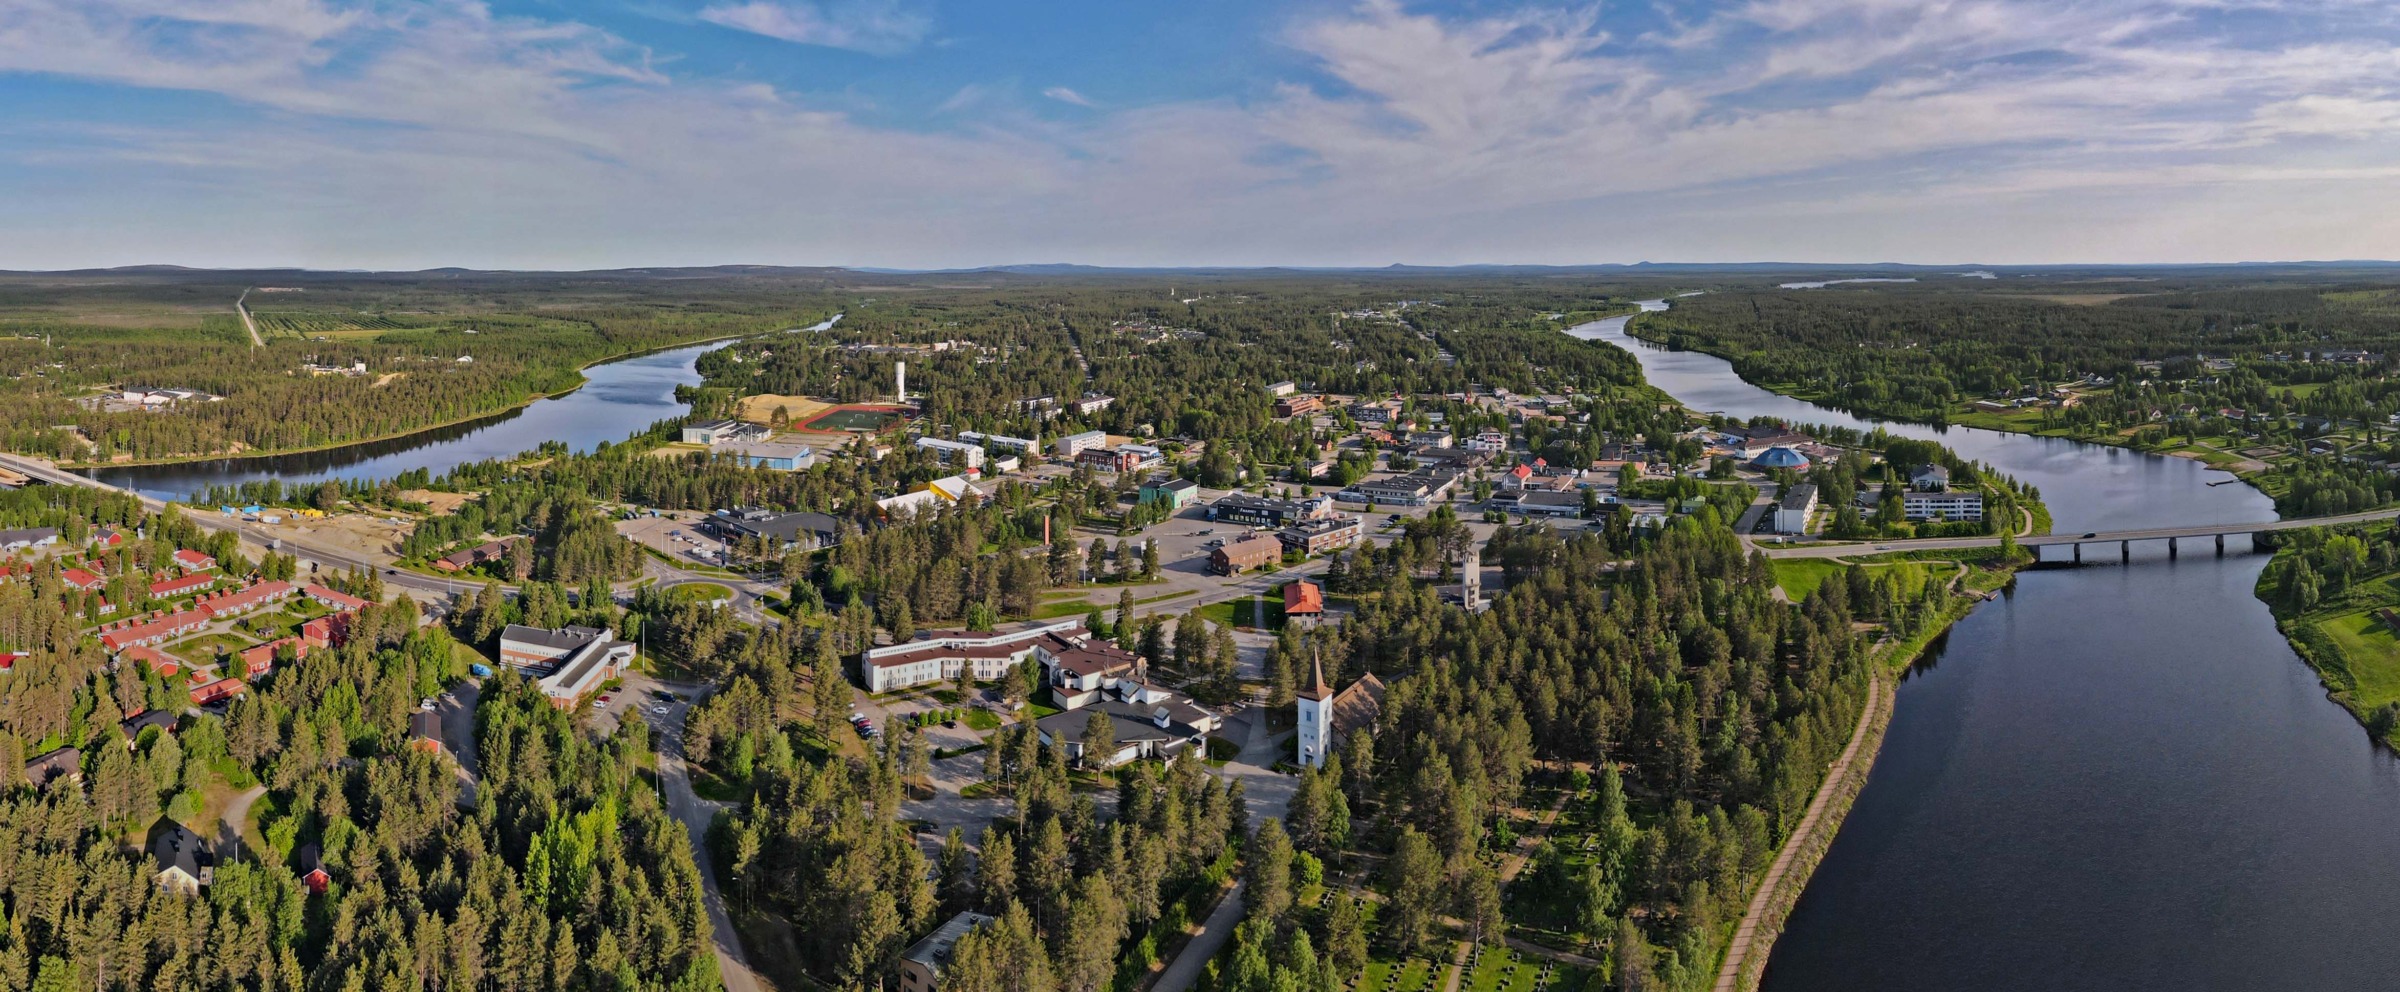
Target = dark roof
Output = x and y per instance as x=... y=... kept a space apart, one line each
x=1798 y=497
x=1131 y=721
x=162 y=719
x=49 y=767
x=176 y=846
x=562 y=639
x=424 y=726
x=787 y=527
x=311 y=859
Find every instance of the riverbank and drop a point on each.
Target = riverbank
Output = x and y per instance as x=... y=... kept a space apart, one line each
x=2351 y=637
x=1745 y=960
x=2026 y=422
x=469 y=420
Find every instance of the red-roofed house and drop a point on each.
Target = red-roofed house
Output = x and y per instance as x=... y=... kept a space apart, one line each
x=218 y=690
x=105 y=538
x=1303 y=599
x=157 y=662
x=158 y=628
x=245 y=599
x=333 y=600
x=193 y=561
x=329 y=631
x=260 y=660
x=175 y=587
x=1515 y=477
x=81 y=579
x=9 y=659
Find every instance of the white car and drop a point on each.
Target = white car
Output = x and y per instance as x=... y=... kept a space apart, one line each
x=426 y=705
x=660 y=710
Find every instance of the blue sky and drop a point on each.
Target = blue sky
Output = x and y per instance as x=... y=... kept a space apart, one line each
x=925 y=133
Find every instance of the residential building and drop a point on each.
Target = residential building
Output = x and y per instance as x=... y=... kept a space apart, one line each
x=311 y=866
x=940 y=655
x=133 y=726
x=424 y=732
x=1243 y=555
x=1144 y=722
x=921 y=965
x=21 y=538
x=781 y=531
x=1321 y=534
x=1431 y=439
x=1930 y=479
x=193 y=561
x=1296 y=406
x=260 y=659
x=1326 y=716
x=182 y=866
x=257 y=594
x=77 y=578
x=1792 y=513
x=1378 y=412
x=176 y=587
x=340 y=602
x=1028 y=445
x=1092 y=403
x=218 y=691
x=66 y=764
x=1285 y=388
x=1176 y=493
x=953 y=452
x=157 y=629
x=1076 y=444
x=1944 y=505
x=1261 y=511
x=1122 y=458
x=460 y=561
x=1488 y=441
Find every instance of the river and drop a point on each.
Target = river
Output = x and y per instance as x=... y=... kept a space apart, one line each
x=618 y=399
x=2112 y=778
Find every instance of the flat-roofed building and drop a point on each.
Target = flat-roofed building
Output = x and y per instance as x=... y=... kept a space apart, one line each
x=940 y=655
x=958 y=453
x=1322 y=534
x=921 y=965
x=1073 y=445
x=1243 y=555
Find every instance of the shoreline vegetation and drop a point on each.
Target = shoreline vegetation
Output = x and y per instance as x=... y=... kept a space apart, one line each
x=581 y=380
x=2345 y=639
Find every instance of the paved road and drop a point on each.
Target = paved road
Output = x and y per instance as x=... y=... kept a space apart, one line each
x=675 y=781
x=240 y=306
x=1267 y=793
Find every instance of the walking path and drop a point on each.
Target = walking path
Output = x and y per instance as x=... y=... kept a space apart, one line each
x=1737 y=952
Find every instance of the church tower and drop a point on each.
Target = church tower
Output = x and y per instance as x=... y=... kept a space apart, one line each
x=1315 y=706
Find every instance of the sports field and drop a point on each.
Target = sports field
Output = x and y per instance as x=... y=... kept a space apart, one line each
x=864 y=419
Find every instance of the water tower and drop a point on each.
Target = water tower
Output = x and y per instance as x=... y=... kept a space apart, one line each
x=900 y=382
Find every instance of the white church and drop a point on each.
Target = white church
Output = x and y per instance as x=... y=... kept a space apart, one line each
x=1327 y=716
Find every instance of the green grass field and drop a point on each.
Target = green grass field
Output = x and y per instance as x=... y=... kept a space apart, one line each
x=1798 y=577
x=699 y=592
x=2370 y=654
x=850 y=418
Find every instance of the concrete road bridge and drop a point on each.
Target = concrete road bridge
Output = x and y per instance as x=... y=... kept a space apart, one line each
x=2123 y=539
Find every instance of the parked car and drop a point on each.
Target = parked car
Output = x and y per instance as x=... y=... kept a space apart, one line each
x=426 y=704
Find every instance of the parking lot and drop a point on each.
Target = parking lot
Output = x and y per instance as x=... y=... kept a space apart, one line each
x=676 y=533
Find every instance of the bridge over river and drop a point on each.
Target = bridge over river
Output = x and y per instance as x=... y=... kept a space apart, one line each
x=2122 y=538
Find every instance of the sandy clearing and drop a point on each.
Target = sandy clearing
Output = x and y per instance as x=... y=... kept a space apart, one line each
x=760 y=409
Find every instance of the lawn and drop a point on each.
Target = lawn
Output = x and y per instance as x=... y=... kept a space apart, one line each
x=1798 y=577
x=1502 y=970
x=981 y=720
x=1238 y=612
x=206 y=647
x=699 y=592
x=2370 y=655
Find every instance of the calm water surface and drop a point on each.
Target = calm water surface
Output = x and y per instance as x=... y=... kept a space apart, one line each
x=2115 y=778
x=617 y=399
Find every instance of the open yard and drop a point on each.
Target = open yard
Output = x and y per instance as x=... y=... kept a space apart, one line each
x=205 y=648
x=795 y=409
x=2369 y=653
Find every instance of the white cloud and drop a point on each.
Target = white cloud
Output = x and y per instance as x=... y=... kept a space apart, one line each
x=880 y=27
x=1989 y=130
x=1065 y=95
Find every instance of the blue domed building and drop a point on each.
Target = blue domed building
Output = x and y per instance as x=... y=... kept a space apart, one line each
x=1780 y=457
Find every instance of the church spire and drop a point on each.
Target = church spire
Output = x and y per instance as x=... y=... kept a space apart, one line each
x=1317 y=689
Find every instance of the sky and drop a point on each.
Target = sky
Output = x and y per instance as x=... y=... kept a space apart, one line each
x=564 y=134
